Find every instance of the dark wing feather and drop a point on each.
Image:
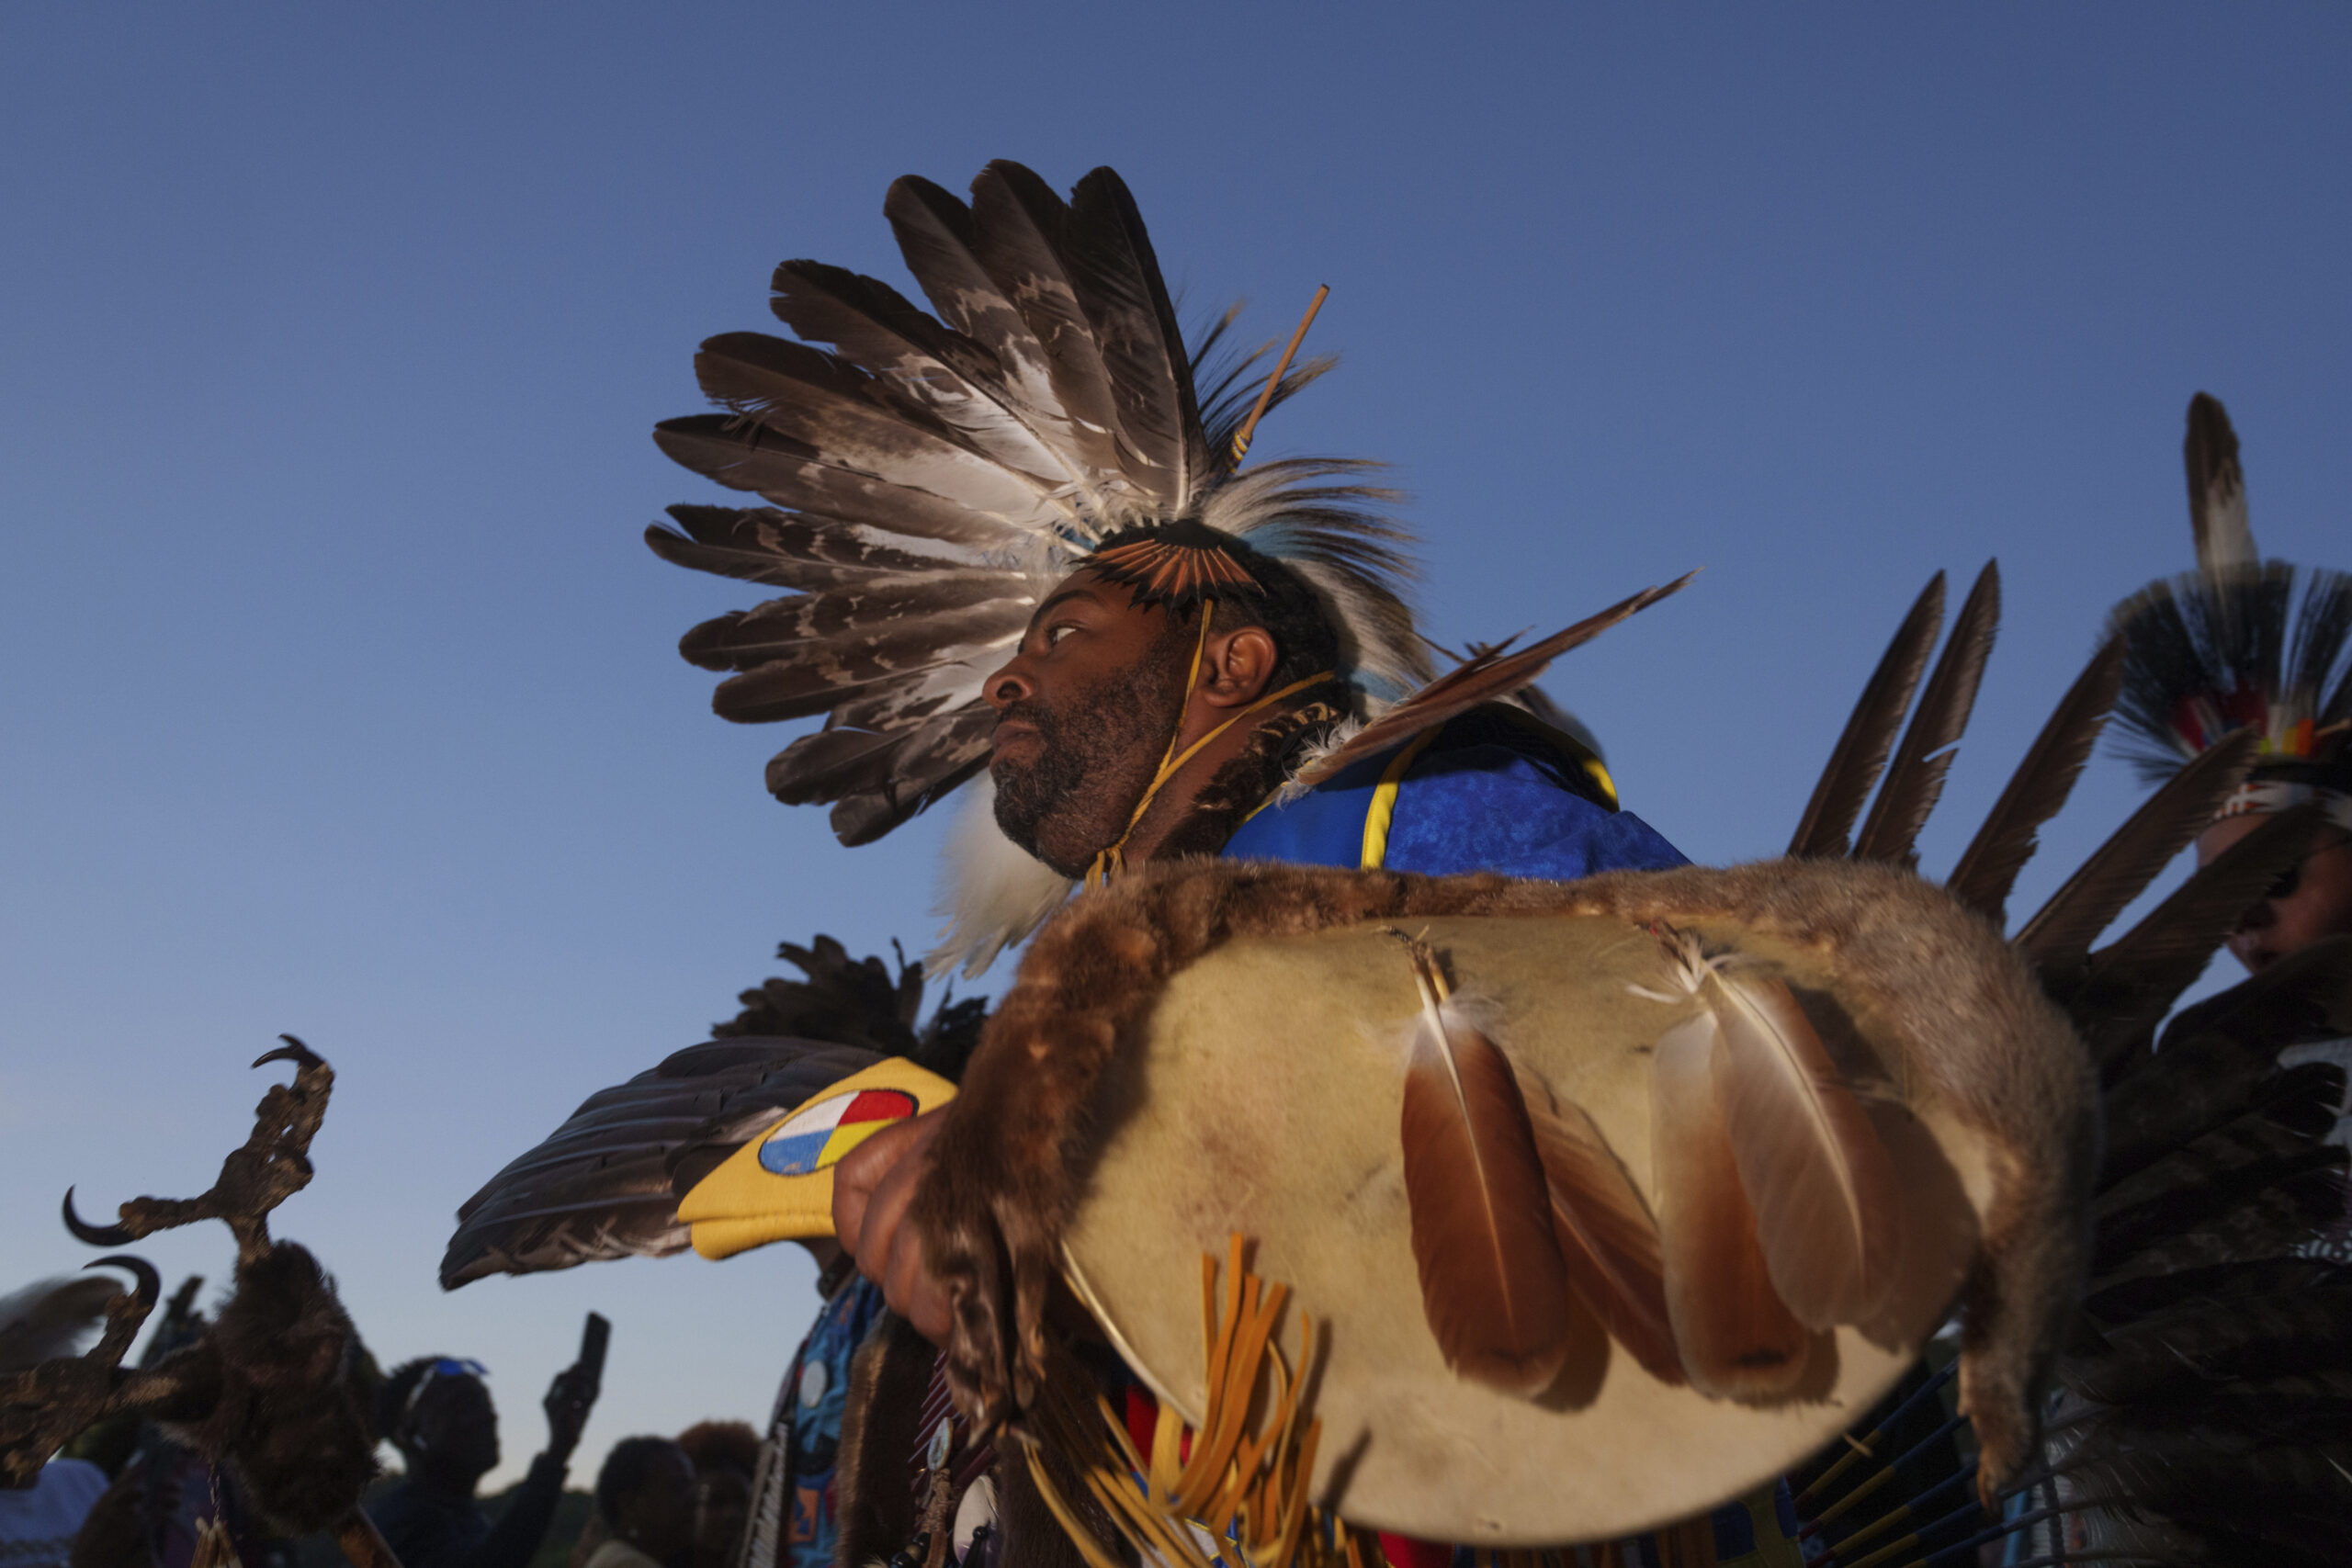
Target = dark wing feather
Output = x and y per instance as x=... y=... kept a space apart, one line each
x=949 y=378
x=937 y=237
x=877 y=788
x=1484 y=678
x=835 y=409
x=1915 y=781
x=600 y=1186
x=2057 y=939
x=2216 y=515
x=1018 y=234
x=49 y=1319
x=763 y=544
x=835 y=763
x=2215 y=1053
x=870 y=612
x=1870 y=731
x=1116 y=276
x=743 y=455
x=1988 y=868
x=2206 y=1396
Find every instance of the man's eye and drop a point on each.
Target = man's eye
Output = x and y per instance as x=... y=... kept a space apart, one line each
x=1056 y=634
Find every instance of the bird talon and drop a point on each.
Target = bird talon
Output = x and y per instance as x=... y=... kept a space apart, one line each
x=293 y=1051
x=149 y=1287
x=96 y=1236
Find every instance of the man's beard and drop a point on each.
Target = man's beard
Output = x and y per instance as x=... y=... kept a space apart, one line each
x=1095 y=759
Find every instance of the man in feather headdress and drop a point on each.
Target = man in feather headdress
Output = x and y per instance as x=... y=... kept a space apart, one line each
x=2245 y=643
x=1186 y=660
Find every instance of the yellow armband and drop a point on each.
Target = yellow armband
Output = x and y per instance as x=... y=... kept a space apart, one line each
x=779 y=1185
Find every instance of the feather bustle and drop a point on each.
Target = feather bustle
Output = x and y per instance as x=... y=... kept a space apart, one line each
x=1988 y=868
x=1860 y=752
x=1915 y=781
x=1494 y=1287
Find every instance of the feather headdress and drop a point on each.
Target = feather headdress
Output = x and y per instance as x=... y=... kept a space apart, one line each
x=926 y=474
x=2241 y=643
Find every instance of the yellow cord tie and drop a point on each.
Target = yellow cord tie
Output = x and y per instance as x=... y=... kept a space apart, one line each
x=1113 y=861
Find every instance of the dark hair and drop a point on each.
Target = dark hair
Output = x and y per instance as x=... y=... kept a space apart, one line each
x=392 y=1399
x=1287 y=610
x=1282 y=606
x=625 y=1469
x=722 y=1445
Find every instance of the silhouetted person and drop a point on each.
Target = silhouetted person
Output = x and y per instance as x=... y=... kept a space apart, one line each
x=645 y=1494
x=439 y=1414
x=726 y=1456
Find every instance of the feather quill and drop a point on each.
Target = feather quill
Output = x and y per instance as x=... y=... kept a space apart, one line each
x=1486 y=678
x=1870 y=732
x=1494 y=1287
x=1737 y=1339
x=1988 y=868
x=2217 y=513
x=1607 y=1235
x=1915 y=781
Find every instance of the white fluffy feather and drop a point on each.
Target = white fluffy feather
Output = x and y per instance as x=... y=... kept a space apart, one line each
x=993 y=894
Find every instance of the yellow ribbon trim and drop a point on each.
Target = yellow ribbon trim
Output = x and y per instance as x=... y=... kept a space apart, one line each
x=1382 y=812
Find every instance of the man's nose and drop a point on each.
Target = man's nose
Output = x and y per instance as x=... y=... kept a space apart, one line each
x=1008 y=686
x=2259 y=917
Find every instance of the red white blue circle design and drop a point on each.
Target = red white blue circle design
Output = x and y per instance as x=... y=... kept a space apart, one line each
x=817 y=1136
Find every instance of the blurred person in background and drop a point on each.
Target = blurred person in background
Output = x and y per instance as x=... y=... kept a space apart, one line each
x=726 y=1456
x=2245 y=643
x=437 y=1412
x=645 y=1499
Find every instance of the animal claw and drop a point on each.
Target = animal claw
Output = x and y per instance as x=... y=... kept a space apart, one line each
x=96 y=1236
x=149 y=1283
x=293 y=1051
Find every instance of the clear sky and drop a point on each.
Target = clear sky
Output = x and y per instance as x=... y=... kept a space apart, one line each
x=338 y=695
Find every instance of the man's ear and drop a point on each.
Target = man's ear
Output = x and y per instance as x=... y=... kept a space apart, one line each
x=1236 y=666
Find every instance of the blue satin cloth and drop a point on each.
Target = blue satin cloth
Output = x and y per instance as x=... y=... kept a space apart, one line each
x=1494 y=791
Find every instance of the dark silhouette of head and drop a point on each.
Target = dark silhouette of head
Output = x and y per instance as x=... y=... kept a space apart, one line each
x=437 y=1412
x=726 y=1455
x=646 y=1494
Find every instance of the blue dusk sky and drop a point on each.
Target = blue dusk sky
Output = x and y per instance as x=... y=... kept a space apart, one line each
x=338 y=694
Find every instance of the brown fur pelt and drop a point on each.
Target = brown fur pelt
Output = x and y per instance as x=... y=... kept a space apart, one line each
x=1975 y=1028
x=874 y=1496
x=270 y=1394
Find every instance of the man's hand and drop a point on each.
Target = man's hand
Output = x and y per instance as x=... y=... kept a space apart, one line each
x=871 y=1190
x=568 y=1401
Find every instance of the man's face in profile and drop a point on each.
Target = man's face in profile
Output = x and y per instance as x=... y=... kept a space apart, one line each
x=2310 y=899
x=1085 y=711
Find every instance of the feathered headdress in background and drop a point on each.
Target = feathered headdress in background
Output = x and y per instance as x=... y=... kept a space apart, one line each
x=2240 y=643
x=927 y=476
